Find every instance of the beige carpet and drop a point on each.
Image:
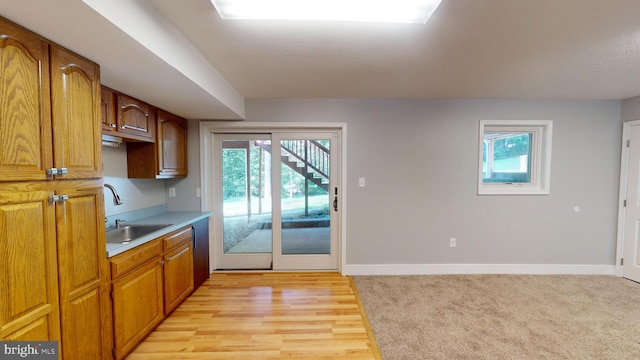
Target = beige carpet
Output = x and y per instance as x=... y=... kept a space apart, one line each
x=503 y=316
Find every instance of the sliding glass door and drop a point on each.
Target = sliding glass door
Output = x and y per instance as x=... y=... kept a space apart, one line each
x=277 y=202
x=305 y=213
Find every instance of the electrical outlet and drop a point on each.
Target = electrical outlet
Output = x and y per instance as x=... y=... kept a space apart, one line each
x=198 y=193
x=452 y=242
x=172 y=192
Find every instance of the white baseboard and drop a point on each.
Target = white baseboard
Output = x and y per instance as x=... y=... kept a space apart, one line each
x=455 y=269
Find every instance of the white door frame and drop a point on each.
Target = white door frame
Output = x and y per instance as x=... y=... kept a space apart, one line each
x=622 y=196
x=208 y=128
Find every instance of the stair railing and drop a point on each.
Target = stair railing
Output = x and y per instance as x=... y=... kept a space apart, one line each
x=310 y=153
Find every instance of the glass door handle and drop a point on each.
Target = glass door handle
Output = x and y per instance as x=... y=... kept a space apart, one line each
x=335 y=200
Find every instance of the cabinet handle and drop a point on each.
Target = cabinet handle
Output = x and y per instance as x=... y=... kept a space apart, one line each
x=112 y=125
x=58 y=198
x=132 y=128
x=178 y=254
x=57 y=171
x=194 y=237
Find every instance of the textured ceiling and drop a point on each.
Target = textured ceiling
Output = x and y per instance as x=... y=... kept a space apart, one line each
x=508 y=49
x=543 y=49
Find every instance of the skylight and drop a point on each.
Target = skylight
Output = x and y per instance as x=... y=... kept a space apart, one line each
x=395 y=11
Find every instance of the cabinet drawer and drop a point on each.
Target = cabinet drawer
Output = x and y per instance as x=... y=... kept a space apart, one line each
x=121 y=264
x=176 y=238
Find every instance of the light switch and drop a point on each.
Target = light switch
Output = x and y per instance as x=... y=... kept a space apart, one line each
x=361 y=182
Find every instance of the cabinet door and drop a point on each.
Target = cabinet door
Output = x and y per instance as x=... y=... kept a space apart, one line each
x=75 y=94
x=28 y=270
x=25 y=113
x=178 y=276
x=107 y=111
x=136 y=118
x=172 y=145
x=85 y=307
x=137 y=306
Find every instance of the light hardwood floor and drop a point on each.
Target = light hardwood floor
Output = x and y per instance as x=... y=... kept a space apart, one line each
x=265 y=316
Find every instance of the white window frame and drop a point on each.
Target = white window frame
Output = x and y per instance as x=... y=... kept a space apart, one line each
x=540 y=157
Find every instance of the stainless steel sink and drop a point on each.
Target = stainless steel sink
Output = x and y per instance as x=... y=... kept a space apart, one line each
x=127 y=233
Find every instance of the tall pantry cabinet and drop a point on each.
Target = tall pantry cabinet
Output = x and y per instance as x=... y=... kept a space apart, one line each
x=53 y=266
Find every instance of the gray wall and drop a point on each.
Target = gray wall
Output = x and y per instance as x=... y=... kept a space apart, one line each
x=186 y=199
x=631 y=109
x=135 y=193
x=139 y=194
x=419 y=158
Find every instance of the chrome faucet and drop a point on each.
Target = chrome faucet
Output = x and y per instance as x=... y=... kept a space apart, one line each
x=116 y=197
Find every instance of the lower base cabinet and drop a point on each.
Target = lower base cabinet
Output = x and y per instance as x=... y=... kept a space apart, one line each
x=148 y=282
x=178 y=268
x=53 y=274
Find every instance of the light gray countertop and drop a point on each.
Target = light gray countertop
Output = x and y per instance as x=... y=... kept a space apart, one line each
x=178 y=219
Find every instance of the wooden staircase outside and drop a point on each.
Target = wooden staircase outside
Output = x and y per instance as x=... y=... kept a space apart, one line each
x=308 y=158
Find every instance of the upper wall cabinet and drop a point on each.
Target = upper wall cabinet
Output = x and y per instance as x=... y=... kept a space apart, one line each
x=126 y=117
x=172 y=145
x=165 y=159
x=136 y=118
x=75 y=109
x=108 y=110
x=41 y=91
x=25 y=113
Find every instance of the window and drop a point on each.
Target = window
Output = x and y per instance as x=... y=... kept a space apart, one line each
x=514 y=157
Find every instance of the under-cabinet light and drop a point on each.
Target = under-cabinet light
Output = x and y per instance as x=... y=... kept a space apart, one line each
x=398 y=11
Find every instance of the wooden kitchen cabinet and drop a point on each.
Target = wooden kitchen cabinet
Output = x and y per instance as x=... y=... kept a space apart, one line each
x=148 y=282
x=29 y=269
x=49 y=110
x=25 y=118
x=52 y=263
x=135 y=119
x=108 y=111
x=125 y=117
x=137 y=292
x=85 y=307
x=75 y=111
x=172 y=145
x=178 y=268
x=165 y=159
